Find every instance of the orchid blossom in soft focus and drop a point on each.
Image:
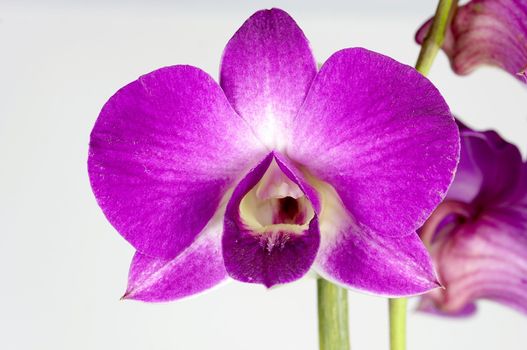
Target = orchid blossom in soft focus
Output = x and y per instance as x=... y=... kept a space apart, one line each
x=276 y=170
x=492 y=32
x=478 y=236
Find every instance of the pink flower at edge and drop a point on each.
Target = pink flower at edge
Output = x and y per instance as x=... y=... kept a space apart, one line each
x=478 y=236
x=486 y=32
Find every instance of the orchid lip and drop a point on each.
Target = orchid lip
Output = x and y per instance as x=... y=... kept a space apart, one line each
x=271 y=230
x=275 y=204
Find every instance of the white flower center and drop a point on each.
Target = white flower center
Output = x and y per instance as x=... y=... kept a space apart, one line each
x=276 y=204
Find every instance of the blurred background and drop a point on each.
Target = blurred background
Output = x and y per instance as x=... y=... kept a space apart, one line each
x=63 y=267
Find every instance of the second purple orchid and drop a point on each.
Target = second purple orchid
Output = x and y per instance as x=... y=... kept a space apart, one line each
x=478 y=235
x=276 y=170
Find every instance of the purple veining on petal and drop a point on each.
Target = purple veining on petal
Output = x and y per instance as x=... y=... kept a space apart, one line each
x=492 y=32
x=382 y=135
x=484 y=259
x=274 y=254
x=197 y=269
x=162 y=153
x=484 y=255
x=266 y=71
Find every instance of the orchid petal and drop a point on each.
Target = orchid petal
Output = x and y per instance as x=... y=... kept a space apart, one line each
x=195 y=270
x=483 y=259
x=163 y=152
x=499 y=162
x=266 y=71
x=489 y=169
x=468 y=178
x=382 y=135
x=273 y=257
x=486 y=32
x=358 y=258
x=519 y=195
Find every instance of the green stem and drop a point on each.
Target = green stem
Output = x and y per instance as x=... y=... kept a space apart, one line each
x=333 y=328
x=398 y=323
x=436 y=35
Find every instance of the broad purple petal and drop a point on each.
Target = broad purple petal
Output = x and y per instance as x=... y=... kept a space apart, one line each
x=356 y=257
x=491 y=32
x=382 y=135
x=197 y=269
x=268 y=258
x=162 y=153
x=482 y=259
x=266 y=71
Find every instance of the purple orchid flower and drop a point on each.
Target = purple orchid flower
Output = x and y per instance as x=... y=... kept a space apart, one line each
x=276 y=170
x=478 y=235
x=492 y=32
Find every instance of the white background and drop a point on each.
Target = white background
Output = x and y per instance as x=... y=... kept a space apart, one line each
x=63 y=267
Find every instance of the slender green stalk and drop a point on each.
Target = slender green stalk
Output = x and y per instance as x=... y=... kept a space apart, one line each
x=431 y=45
x=398 y=323
x=333 y=327
x=436 y=35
